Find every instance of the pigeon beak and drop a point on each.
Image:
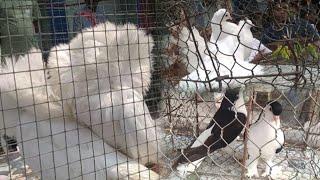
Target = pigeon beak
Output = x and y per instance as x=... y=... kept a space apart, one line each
x=229 y=20
x=276 y=118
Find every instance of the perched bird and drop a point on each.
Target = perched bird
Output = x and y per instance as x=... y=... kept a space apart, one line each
x=198 y=81
x=225 y=126
x=220 y=26
x=83 y=115
x=189 y=47
x=246 y=39
x=230 y=50
x=221 y=29
x=265 y=139
x=257 y=47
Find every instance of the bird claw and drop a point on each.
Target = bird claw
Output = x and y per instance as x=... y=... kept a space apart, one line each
x=265 y=174
x=272 y=173
x=251 y=174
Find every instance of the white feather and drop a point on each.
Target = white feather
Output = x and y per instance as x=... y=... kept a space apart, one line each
x=257 y=47
x=84 y=91
x=221 y=28
x=263 y=145
x=189 y=48
x=104 y=72
x=225 y=67
x=229 y=55
x=187 y=168
x=246 y=38
x=63 y=149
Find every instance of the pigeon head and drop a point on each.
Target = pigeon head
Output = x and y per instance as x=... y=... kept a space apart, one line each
x=230 y=98
x=249 y=23
x=220 y=16
x=246 y=24
x=275 y=108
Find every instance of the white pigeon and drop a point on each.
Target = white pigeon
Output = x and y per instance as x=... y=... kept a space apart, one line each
x=221 y=28
x=236 y=44
x=72 y=119
x=265 y=139
x=246 y=37
x=229 y=54
x=189 y=47
x=257 y=47
x=195 y=80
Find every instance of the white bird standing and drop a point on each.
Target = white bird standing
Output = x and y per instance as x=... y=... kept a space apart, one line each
x=223 y=129
x=189 y=47
x=89 y=104
x=246 y=39
x=220 y=26
x=265 y=139
x=195 y=81
x=229 y=53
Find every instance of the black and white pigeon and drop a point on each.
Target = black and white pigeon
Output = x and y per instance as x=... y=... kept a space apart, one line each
x=265 y=139
x=226 y=125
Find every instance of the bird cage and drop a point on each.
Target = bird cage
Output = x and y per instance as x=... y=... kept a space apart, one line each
x=46 y=89
x=197 y=79
x=141 y=89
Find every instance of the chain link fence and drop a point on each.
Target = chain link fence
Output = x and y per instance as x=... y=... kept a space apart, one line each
x=145 y=89
x=207 y=54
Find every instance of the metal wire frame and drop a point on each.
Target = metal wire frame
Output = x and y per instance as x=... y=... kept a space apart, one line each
x=180 y=123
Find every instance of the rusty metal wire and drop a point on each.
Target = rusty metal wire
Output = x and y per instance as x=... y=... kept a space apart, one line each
x=143 y=109
x=291 y=80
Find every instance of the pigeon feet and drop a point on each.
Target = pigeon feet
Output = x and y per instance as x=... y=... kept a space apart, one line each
x=252 y=173
x=265 y=174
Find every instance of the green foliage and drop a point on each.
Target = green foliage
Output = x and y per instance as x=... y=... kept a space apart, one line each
x=313 y=51
x=299 y=50
x=282 y=52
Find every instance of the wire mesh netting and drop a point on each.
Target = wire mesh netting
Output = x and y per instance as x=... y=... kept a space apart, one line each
x=271 y=50
x=145 y=89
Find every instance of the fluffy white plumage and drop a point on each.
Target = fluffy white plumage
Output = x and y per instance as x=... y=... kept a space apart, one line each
x=225 y=67
x=229 y=52
x=88 y=104
x=246 y=37
x=188 y=47
x=112 y=66
x=257 y=47
x=17 y=96
x=264 y=138
x=221 y=28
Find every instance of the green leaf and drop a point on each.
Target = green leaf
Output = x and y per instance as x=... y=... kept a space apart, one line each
x=282 y=52
x=312 y=49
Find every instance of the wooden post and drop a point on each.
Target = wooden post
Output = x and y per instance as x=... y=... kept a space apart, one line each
x=310 y=110
x=169 y=118
x=248 y=122
x=197 y=131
